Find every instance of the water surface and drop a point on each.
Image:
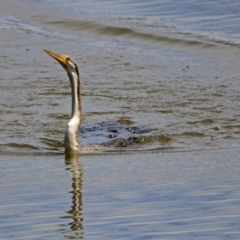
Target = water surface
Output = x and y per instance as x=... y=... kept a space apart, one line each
x=172 y=67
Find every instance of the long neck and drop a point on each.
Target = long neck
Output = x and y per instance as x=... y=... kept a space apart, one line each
x=71 y=131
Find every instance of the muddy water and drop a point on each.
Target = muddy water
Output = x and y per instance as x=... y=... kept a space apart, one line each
x=181 y=181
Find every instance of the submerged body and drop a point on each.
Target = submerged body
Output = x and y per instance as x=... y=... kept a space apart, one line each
x=108 y=134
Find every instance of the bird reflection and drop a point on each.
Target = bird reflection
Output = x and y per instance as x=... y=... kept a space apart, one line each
x=72 y=165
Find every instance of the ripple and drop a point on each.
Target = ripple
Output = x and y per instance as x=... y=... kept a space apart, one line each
x=19 y=146
x=193 y=134
x=98 y=29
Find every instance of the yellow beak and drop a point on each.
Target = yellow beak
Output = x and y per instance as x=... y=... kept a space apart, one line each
x=62 y=59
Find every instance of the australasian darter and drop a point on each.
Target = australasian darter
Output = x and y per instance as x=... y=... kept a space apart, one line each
x=113 y=134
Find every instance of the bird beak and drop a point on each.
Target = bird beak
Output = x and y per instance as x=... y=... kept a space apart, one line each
x=62 y=59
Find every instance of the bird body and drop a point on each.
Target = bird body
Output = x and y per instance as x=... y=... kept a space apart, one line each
x=114 y=134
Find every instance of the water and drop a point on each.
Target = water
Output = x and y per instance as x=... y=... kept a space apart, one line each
x=167 y=65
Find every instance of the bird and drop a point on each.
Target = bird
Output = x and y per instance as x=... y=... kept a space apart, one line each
x=101 y=135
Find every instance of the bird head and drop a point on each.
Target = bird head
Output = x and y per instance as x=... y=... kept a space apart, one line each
x=66 y=62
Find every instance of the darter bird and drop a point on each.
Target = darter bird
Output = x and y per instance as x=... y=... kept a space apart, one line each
x=97 y=136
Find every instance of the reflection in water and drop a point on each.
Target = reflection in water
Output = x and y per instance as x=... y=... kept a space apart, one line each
x=72 y=165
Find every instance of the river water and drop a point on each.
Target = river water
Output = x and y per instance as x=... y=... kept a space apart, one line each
x=170 y=66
